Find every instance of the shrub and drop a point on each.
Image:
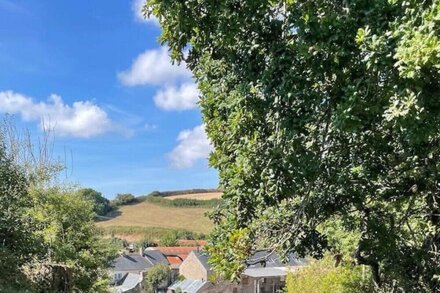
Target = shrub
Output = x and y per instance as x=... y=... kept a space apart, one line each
x=157 y=277
x=169 y=239
x=323 y=277
x=124 y=199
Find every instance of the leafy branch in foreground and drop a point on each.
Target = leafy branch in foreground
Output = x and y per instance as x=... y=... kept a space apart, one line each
x=320 y=109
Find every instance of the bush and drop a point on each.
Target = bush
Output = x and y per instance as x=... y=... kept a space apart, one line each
x=124 y=199
x=157 y=277
x=169 y=239
x=147 y=242
x=323 y=277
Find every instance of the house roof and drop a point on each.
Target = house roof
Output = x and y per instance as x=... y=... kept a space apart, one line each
x=175 y=254
x=269 y=259
x=174 y=261
x=188 y=286
x=132 y=262
x=175 y=250
x=203 y=258
x=129 y=282
x=155 y=257
x=264 y=272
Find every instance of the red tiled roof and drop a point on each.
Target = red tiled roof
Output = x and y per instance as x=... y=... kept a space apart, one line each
x=174 y=260
x=176 y=254
x=177 y=250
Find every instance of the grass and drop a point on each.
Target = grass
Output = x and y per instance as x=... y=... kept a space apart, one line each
x=151 y=215
x=134 y=234
x=198 y=196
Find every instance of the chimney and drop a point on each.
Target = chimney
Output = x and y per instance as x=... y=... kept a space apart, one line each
x=141 y=250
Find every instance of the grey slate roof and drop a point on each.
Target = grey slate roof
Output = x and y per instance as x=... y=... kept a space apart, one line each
x=264 y=258
x=189 y=286
x=203 y=258
x=155 y=257
x=133 y=262
x=129 y=282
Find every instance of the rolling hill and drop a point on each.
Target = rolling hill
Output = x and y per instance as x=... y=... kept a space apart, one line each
x=150 y=220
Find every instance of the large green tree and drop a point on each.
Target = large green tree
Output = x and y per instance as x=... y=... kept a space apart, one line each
x=320 y=109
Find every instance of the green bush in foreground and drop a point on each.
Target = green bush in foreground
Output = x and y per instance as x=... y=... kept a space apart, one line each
x=323 y=277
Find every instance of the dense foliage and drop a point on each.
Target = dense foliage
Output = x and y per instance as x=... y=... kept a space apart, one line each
x=70 y=242
x=156 y=277
x=323 y=277
x=168 y=239
x=16 y=239
x=317 y=109
x=48 y=239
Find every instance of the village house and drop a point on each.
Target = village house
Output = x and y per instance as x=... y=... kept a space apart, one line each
x=128 y=270
x=265 y=272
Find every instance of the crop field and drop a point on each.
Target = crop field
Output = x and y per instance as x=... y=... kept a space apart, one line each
x=145 y=218
x=198 y=196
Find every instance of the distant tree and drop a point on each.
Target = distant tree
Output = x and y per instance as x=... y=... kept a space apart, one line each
x=168 y=239
x=147 y=242
x=317 y=109
x=123 y=199
x=101 y=205
x=156 y=277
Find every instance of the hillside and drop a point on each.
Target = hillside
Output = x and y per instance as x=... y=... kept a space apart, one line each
x=147 y=219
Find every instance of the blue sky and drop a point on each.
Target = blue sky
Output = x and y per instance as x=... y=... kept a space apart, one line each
x=93 y=72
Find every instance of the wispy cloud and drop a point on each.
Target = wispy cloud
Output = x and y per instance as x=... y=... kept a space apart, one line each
x=82 y=119
x=193 y=146
x=136 y=7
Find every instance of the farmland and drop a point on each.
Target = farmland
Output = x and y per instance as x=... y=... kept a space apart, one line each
x=148 y=219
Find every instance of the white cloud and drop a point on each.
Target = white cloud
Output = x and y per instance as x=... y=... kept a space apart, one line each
x=136 y=6
x=81 y=119
x=184 y=97
x=153 y=67
x=193 y=146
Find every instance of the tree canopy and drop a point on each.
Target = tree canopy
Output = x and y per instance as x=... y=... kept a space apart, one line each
x=320 y=109
x=156 y=277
